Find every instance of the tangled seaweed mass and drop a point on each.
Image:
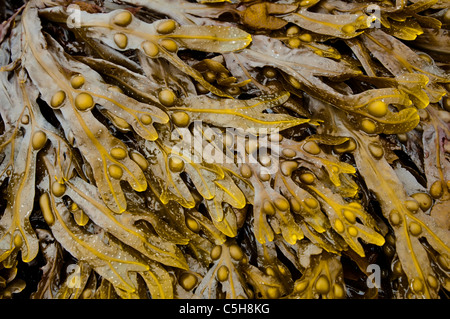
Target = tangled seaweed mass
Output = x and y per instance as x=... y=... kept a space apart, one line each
x=225 y=149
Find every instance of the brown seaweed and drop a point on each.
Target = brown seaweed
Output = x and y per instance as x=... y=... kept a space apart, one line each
x=225 y=149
